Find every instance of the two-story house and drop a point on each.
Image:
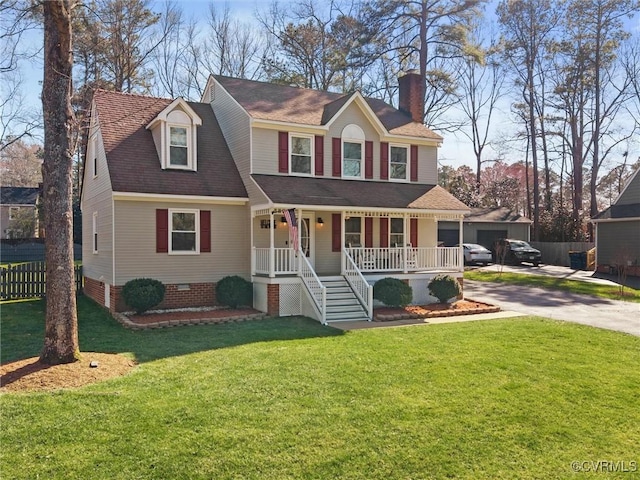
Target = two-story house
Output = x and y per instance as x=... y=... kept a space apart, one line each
x=311 y=195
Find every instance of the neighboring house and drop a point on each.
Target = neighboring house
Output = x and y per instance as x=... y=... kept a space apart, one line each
x=188 y=193
x=18 y=212
x=617 y=231
x=484 y=225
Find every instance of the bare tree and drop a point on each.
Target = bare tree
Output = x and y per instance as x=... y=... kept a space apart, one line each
x=482 y=86
x=61 y=320
x=427 y=35
x=528 y=25
x=21 y=164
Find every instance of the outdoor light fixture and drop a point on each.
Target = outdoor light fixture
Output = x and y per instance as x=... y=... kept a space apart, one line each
x=320 y=221
x=267 y=224
x=283 y=220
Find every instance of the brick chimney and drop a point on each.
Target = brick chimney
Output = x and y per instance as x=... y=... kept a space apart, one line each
x=411 y=95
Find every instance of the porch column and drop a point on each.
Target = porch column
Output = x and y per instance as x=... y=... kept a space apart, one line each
x=253 y=246
x=343 y=261
x=272 y=252
x=405 y=252
x=460 y=249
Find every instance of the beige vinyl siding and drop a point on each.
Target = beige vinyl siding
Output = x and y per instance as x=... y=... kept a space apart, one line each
x=265 y=151
x=136 y=244
x=618 y=242
x=96 y=197
x=235 y=124
x=262 y=235
x=631 y=194
x=327 y=262
x=428 y=165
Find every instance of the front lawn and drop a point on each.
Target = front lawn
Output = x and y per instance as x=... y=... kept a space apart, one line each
x=289 y=398
x=552 y=283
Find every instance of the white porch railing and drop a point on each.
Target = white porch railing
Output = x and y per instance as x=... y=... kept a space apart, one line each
x=317 y=291
x=282 y=262
x=406 y=259
x=359 y=284
x=375 y=259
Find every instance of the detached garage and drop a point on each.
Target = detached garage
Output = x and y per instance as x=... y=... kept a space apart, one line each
x=618 y=232
x=484 y=225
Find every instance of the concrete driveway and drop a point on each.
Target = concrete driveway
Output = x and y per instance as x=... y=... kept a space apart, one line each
x=584 y=309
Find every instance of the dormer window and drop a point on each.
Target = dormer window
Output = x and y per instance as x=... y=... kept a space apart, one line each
x=178 y=147
x=174 y=133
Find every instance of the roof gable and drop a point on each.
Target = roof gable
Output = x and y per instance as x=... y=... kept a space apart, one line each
x=177 y=104
x=631 y=192
x=281 y=103
x=132 y=158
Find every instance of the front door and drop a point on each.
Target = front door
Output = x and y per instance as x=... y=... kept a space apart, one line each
x=306 y=238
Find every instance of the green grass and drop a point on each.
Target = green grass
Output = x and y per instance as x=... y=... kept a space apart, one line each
x=574 y=286
x=289 y=398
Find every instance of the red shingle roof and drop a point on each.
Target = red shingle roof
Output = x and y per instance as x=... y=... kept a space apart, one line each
x=268 y=101
x=133 y=160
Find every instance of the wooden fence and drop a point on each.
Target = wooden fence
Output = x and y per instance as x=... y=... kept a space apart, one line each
x=27 y=280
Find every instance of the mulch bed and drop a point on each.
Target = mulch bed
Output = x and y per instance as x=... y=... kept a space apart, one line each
x=173 y=318
x=433 y=310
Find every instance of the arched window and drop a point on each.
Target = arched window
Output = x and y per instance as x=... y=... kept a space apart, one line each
x=352 y=151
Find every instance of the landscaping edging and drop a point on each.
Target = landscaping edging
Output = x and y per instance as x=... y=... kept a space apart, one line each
x=433 y=311
x=208 y=317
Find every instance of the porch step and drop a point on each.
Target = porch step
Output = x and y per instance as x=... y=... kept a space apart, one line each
x=342 y=303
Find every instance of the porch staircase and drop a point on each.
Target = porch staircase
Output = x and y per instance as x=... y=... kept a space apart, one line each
x=342 y=303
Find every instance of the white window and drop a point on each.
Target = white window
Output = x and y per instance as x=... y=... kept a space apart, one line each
x=13 y=212
x=353 y=232
x=352 y=159
x=396 y=232
x=352 y=151
x=94 y=144
x=398 y=156
x=301 y=149
x=179 y=147
x=94 y=236
x=184 y=226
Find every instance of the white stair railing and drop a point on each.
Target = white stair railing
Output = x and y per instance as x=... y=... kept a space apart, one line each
x=359 y=284
x=317 y=291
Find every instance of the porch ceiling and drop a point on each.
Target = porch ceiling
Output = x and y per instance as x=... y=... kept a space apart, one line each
x=357 y=195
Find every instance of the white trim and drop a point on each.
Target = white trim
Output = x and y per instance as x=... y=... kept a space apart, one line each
x=94 y=233
x=196 y=214
x=189 y=146
x=113 y=240
x=403 y=233
x=14 y=209
x=407 y=173
x=357 y=98
x=445 y=215
x=156 y=197
x=184 y=106
x=311 y=139
x=362 y=230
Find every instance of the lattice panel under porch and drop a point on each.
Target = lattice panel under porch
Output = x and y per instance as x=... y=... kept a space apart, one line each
x=290 y=300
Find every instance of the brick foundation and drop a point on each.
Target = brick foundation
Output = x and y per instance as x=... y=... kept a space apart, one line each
x=94 y=289
x=175 y=296
x=273 y=299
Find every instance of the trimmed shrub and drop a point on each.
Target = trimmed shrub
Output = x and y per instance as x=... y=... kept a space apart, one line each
x=143 y=293
x=234 y=291
x=392 y=292
x=444 y=287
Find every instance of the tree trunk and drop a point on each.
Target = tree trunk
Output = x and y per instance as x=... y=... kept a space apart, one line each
x=61 y=321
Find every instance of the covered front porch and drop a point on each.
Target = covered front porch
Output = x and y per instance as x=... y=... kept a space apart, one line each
x=372 y=241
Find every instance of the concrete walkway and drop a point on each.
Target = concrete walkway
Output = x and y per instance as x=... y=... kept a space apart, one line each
x=571 y=307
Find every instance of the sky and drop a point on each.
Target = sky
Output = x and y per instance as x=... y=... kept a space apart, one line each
x=456 y=149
